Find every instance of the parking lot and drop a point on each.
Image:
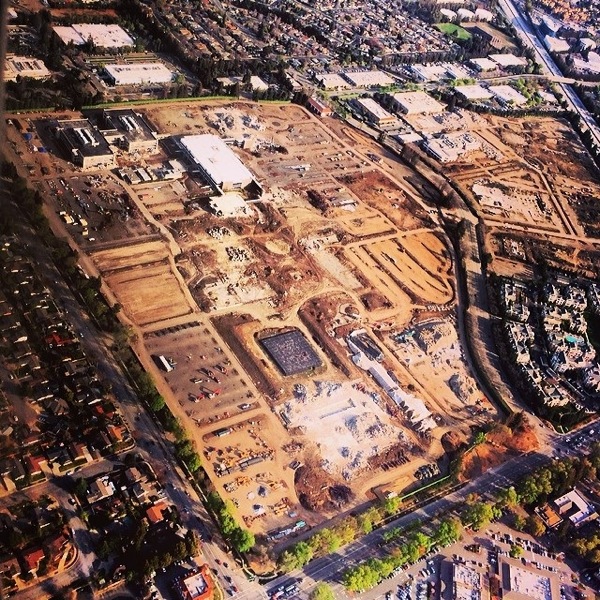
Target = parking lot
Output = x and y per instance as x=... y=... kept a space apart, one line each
x=232 y=428
x=478 y=552
x=204 y=380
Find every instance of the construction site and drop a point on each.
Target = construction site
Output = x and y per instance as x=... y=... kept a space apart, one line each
x=308 y=306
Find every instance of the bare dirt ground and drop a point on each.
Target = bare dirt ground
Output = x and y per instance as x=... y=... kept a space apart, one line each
x=143 y=280
x=335 y=244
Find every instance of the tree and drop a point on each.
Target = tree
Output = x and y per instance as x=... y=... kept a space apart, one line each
x=242 y=539
x=516 y=551
x=507 y=497
x=448 y=532
x=360 y=578
x=535 y=526
x=391 y=505
x=322 y=592
x=478 y=515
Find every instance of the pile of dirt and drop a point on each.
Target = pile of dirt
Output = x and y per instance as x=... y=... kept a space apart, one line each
x=318 y=491
x=452 y=441
x=501 y=443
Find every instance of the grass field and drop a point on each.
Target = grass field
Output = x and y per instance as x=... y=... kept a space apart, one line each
x=454 y=31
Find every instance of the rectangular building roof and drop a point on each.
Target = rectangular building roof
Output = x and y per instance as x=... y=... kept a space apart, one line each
x=331 y=81
x=216 y=158
x=104 y=36
x=25 y=66
x=508 y=60
x=526 y=583
x=484 y=64
x=368 y=78
x=81 y=135
x=473 y=92
x=139 y=73
x=429 y=72
x=374 y=109
x=508 y=94
x=417 y=103
x=127 y=123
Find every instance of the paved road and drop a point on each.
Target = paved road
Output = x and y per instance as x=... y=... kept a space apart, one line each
x=330 y=568
x=529 y=36
x=151 y=445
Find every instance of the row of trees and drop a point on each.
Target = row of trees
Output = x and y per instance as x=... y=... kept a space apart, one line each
x=240 y=538
x=534 y=490
x=416 y=545
x=328 y=540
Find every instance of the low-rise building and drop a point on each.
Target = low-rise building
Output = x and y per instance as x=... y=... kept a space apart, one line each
x=450 y=147
x=368 y=79
x=84 y=144
x=332 y=81
x=483 y=64
x=507 y=95
x=508 y=60
x=318 y=107
x=128 y=130
x=217 y=162
x=195 y=585
x=576 y=508
x=141 y=73
x=473 y=92
x=375 y=113
x=98 y=34
x=555 y=44
x=415 y=103
x=24 y=66
x=520 y=582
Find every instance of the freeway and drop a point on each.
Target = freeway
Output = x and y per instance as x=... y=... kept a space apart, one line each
x=530 y=38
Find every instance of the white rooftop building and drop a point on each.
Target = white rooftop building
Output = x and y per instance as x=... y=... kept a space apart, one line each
x=375 y=112
x=481 y=14
x=103 y=36
x=332 y=81
x=464 y=14
x=415 y=103
x=217 y=162
x=508 y=95
x=576 y=508
x=368 y=78
x=555 y=44
x=138 y=73
x=473 y=92
x=592 y=64
x=429 y=72
x=508 y=60
x=484 y=64
x=450 y=14
x=450 y=147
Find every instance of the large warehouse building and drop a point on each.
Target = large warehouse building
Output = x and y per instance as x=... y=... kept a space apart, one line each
x=217 y=162
x=138 y=73
x=102 y=36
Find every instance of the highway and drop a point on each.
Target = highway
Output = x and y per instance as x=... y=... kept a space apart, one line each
x=530 y=38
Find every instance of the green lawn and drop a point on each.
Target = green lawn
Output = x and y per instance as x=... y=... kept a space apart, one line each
x=454 y=31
